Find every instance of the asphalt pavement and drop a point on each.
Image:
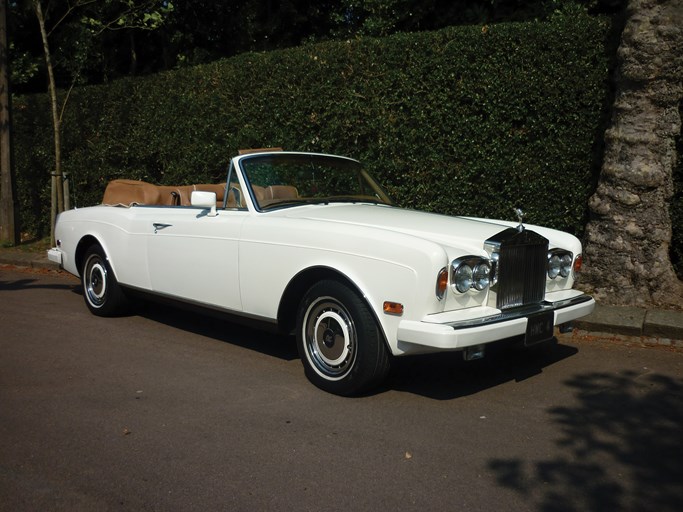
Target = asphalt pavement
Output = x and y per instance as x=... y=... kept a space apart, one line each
x=167 y=410
x=651 y=326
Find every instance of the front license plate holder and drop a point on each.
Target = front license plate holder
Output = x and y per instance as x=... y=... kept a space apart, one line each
x=539 y=328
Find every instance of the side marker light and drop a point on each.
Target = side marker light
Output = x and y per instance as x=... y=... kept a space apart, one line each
x=393 y=308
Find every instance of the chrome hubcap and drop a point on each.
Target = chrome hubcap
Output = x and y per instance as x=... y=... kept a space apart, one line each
x=330 y=338
x=95 y=281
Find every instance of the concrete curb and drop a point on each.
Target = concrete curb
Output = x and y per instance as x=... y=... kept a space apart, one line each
x=634 y=321
x=26 y=259
x=663 y=325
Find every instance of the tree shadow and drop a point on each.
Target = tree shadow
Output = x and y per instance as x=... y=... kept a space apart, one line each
x=621 y=448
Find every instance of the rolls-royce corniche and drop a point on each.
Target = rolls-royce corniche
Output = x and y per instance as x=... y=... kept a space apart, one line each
x=311 y=244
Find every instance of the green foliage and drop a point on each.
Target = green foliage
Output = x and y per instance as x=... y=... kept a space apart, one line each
x=33 y=155
x=119 y=14
x=470 y=120
x=190 y=32
x=24 y=66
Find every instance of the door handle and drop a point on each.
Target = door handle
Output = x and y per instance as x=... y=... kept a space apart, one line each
x=160 y=225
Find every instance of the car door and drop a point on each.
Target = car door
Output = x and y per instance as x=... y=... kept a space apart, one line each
x=194 y=256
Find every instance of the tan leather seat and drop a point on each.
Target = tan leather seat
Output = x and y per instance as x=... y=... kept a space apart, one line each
x=218 y=189
x=259 y=192
x=281 y=192
x=129 y=192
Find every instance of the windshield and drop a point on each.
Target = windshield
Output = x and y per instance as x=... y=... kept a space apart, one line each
x=283 y=179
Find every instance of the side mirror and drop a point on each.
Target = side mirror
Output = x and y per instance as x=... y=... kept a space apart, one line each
x=201 y=199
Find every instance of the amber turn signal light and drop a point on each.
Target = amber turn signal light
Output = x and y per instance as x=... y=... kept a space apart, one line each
x=441 y=283
x=393 y=308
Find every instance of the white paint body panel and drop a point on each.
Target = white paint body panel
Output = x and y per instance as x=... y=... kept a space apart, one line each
x=242 y=261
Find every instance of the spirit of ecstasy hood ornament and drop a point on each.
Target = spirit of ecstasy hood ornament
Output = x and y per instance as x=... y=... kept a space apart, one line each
x=520 y=217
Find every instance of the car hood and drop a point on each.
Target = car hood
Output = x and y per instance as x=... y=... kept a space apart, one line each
x=457 y=232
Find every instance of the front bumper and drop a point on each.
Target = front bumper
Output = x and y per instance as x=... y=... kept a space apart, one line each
x=478 y=326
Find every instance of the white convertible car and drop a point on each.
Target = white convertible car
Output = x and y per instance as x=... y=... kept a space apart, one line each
x=311 y=244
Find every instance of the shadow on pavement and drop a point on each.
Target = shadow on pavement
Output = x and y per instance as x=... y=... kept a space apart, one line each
x=217 y=327
x=442 y=376
x=35 y=284
x=630 y=423
x=445 y=376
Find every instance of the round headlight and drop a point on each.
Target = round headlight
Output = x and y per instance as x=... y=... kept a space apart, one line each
x=566 y=265
x=481 y=276
x=554 y=266
x=462 y=278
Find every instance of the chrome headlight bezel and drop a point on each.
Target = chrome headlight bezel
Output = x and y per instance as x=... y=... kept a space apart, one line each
x=560 y=263
x=471 y=273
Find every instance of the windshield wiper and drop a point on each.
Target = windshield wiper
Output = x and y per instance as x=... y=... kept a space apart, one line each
x=286 y=203
x=351 y=199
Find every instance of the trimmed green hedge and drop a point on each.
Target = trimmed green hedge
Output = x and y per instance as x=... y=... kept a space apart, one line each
x=467 y=120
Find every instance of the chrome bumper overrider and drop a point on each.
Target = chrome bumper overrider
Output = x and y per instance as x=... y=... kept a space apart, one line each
x=443 y=332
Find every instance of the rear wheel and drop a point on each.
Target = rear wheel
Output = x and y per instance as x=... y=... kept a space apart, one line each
x=102 y=293
x=339 y=342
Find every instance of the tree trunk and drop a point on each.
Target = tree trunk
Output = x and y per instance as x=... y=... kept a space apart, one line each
x=57 y=186
x=9 y=231
x=629 y=235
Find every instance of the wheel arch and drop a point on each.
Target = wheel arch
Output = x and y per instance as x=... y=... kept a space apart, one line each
x=82 y=247
x=299 y=285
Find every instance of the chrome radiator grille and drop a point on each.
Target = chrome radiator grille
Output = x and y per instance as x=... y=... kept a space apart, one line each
x=520 y=269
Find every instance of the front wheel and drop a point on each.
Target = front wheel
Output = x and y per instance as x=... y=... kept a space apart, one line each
x=339 y=342
x=102 y=293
